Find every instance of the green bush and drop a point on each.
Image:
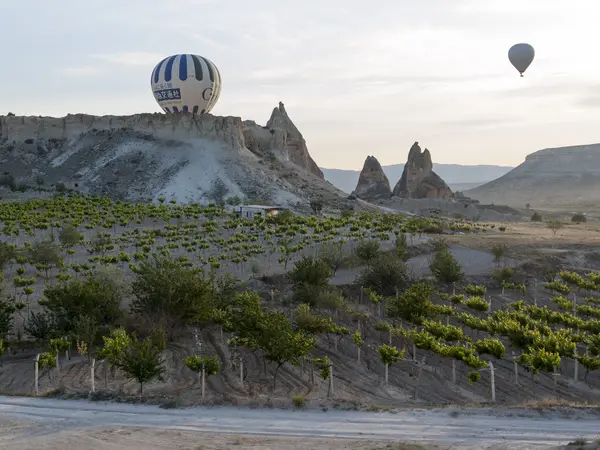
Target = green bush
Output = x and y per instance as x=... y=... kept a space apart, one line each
x=385 y=274
x=367 y=250
x=445 y=268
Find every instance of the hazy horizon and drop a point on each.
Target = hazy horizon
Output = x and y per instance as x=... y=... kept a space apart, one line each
x=355 y=81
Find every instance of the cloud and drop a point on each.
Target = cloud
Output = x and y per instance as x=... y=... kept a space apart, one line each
x=590 y=97
x=81 y=71
x=131 y=58
x=564 y=87
x=479 y=122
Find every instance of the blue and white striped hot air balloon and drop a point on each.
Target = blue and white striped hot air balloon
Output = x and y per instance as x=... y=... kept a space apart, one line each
x=186 y=83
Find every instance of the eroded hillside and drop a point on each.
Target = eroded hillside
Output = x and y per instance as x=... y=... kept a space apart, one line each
x=147 y=156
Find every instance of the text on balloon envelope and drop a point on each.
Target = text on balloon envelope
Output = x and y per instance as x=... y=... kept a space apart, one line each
x=167 y=94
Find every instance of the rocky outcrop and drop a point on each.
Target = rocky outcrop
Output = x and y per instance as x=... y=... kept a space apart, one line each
x=372 y=182
x=181 y=157
x=563 y=176
x=280 y=138
x=289 y=141
x=418 y=178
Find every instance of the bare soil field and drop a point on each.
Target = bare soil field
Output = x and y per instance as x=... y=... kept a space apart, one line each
x=537 y=246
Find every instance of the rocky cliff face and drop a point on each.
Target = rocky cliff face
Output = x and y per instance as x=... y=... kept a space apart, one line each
x=145 y=156
x=280 y=137
x=564 y=176
x=418 y=178
x=372 y=182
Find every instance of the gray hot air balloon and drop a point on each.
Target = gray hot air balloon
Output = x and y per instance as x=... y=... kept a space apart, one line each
x=521 y=56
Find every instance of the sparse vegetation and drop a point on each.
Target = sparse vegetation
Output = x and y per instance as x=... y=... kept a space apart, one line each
x=121 y=282
x=554 y=225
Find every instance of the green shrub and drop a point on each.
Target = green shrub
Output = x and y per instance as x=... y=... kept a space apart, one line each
x=384 y=275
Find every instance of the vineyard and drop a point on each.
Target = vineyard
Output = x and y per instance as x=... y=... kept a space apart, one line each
x=190 y=302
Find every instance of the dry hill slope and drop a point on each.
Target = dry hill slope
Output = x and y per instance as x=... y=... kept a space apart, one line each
x=552 y=177
x=146 y=156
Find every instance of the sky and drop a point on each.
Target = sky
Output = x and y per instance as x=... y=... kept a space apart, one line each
x=357 y=78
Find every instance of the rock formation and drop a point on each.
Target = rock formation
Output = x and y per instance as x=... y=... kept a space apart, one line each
x=281 y=136
x=180 y=157
x=418 y=178
x=563 y=176
x=372 y=182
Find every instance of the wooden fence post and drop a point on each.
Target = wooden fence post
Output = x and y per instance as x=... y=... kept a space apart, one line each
x=93 y=374
x=492 y=381
x=37 y=373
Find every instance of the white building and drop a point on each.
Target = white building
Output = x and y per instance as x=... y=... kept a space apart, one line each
x=249 y=211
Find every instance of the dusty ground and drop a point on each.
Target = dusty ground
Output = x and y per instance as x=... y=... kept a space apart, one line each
x=536 y=234
x=574 y=245
x=78 y=425
x=157 y=439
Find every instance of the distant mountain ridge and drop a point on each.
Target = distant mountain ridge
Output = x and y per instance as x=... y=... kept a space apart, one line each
x=561 y=176
x=459 y=177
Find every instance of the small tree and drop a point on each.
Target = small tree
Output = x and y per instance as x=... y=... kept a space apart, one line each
x=85 y=329
x=45 y=255
x=88 y=297
x=316 y=206
x=272 y=332
x=334 y=254
x=7 y=254
x=445 y=268
x=58 y=345
x=69 y=236
x=311 y=323
x=579 y=218
x=168 y=294
x=309 y=277
x=359 y=342
x=554 y=225
x=205 y=366
x=280 y=343
x=141 y=361
x=413 y=305
x=114 y=348
x=385 y=275
x=499 y=252
x=41 y=326
x=367 y=250
x=536 y=217
x=401 y=247
x=47 y=361
x=389 y=355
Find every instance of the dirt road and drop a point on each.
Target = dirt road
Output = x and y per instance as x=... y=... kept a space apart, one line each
x=24 y=421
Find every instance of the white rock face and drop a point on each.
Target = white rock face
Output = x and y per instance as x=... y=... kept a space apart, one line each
x=162 y=126
x=289 y=141
x=145 y=156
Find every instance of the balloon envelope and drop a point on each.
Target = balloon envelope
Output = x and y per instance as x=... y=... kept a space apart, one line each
x=521 y=56
x=186 y=83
